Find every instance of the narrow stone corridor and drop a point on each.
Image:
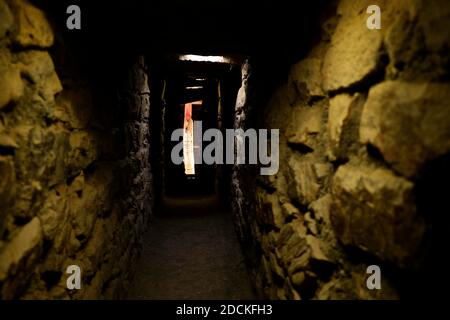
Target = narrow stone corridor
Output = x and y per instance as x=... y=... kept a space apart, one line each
x=276 y=149
x=191 y=252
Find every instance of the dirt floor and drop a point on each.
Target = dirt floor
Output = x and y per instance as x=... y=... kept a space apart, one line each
x=191 y=252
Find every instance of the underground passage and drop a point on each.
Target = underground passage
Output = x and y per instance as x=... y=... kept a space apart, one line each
x=234 y=150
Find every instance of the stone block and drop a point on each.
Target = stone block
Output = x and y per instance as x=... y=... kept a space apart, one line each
x=374 y=210
x=83 y=150
x=409 y=123
x=305 y=281
x=12 y=85
x=291 y=242
x=269 y=209
x=403 y=40
x=37 y=67
x=6 y=19
x=304 y=126
x=289 y=210
x=33 y=29
x=310 y=223
x=435 y=23
x=75 y=107
x=275 y=267
x=354 y=53
x=7 y=187
x=303 y=183
x=321 y=208
x=315 y=250
x=341 y=112
x=307 y=78
x=53 y=214
x=57 y=156
x=18 y=257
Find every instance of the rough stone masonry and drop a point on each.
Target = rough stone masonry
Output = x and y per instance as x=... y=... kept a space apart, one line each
x=364 y=127
x=74 y=168
x=364 y=150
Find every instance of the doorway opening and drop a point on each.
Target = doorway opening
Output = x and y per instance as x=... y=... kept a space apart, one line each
x=198 y=88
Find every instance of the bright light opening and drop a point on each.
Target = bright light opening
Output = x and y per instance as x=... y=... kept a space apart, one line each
x=194 y=88
x=198 y=58
x=188 y=141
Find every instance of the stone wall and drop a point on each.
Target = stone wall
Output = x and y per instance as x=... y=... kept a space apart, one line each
x=364 y=131
x=74 y=164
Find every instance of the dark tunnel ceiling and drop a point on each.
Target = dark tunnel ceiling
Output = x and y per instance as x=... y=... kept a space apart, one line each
x=185 y=74
x=196 y=26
